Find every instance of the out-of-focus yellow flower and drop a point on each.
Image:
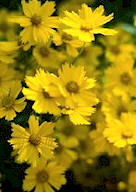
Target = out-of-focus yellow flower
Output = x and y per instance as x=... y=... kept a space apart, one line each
x=70 y=43
x=7 y=30
x=44 y=177
x=38 y=23
x=101 y=144
x=87 y=23
x=114 y=105
x=44 y=91
x=71 y=5
x=8 y=51
x=65 y=153
x=8 y=103
x=121 y=132
x=132 y=180
x=45 y=57
x=33 y=142
x=122 y=44
x=121 y=77
x=7 y=76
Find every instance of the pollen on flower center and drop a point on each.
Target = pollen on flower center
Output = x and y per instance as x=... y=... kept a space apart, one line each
x=35 y=140
x=43 y=51
x=7 y=102
x=42 y=176
x=36 y=20
x=72 y=87
x=125 y=78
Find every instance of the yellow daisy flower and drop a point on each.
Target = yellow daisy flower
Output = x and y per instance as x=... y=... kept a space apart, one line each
x=33 y=142
x=8 y=103
x=38 y=23
x=43 y=90
x=75 y=86
x=87 y=23
x=121 y=132
x=44 y=177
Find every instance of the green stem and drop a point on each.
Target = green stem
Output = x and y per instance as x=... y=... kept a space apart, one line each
x=80 y=52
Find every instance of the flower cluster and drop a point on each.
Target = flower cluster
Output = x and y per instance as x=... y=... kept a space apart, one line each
x=68 y=94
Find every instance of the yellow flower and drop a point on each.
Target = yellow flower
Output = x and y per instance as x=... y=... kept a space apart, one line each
x=121 y=77
x=44 y=177
x=7 y=30
x=33 y=142
x=65 y=154
x=8 y=103
x=101 y=144
x=122 y=44
x=79 y=115
x=8 y=51
x=45 y=55
x=114 y=105
x=76 y=87
x=87 y=23
x=71 y=44
x=7 y=76
x=121 y=132
x=43 y=90
x=37 y=22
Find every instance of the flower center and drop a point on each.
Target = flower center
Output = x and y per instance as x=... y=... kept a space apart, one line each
x=36 y=20
x=43 y=51
x=72 y=87
x=35 y=140
x=59 y=149
x=42 y=176
x=7 y=102
x=46 y=95
x=121 y=110
x=85 y=29
x=125 y=78
x=127 y=134
x=66 y=37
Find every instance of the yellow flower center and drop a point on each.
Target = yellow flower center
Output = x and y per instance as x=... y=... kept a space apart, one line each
x=42 y=176
x=7 y=102
x=72 y=87
x=66 y=37
x=36 y=20
x=35 y=140
x=43 y=51
x=125 y=78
